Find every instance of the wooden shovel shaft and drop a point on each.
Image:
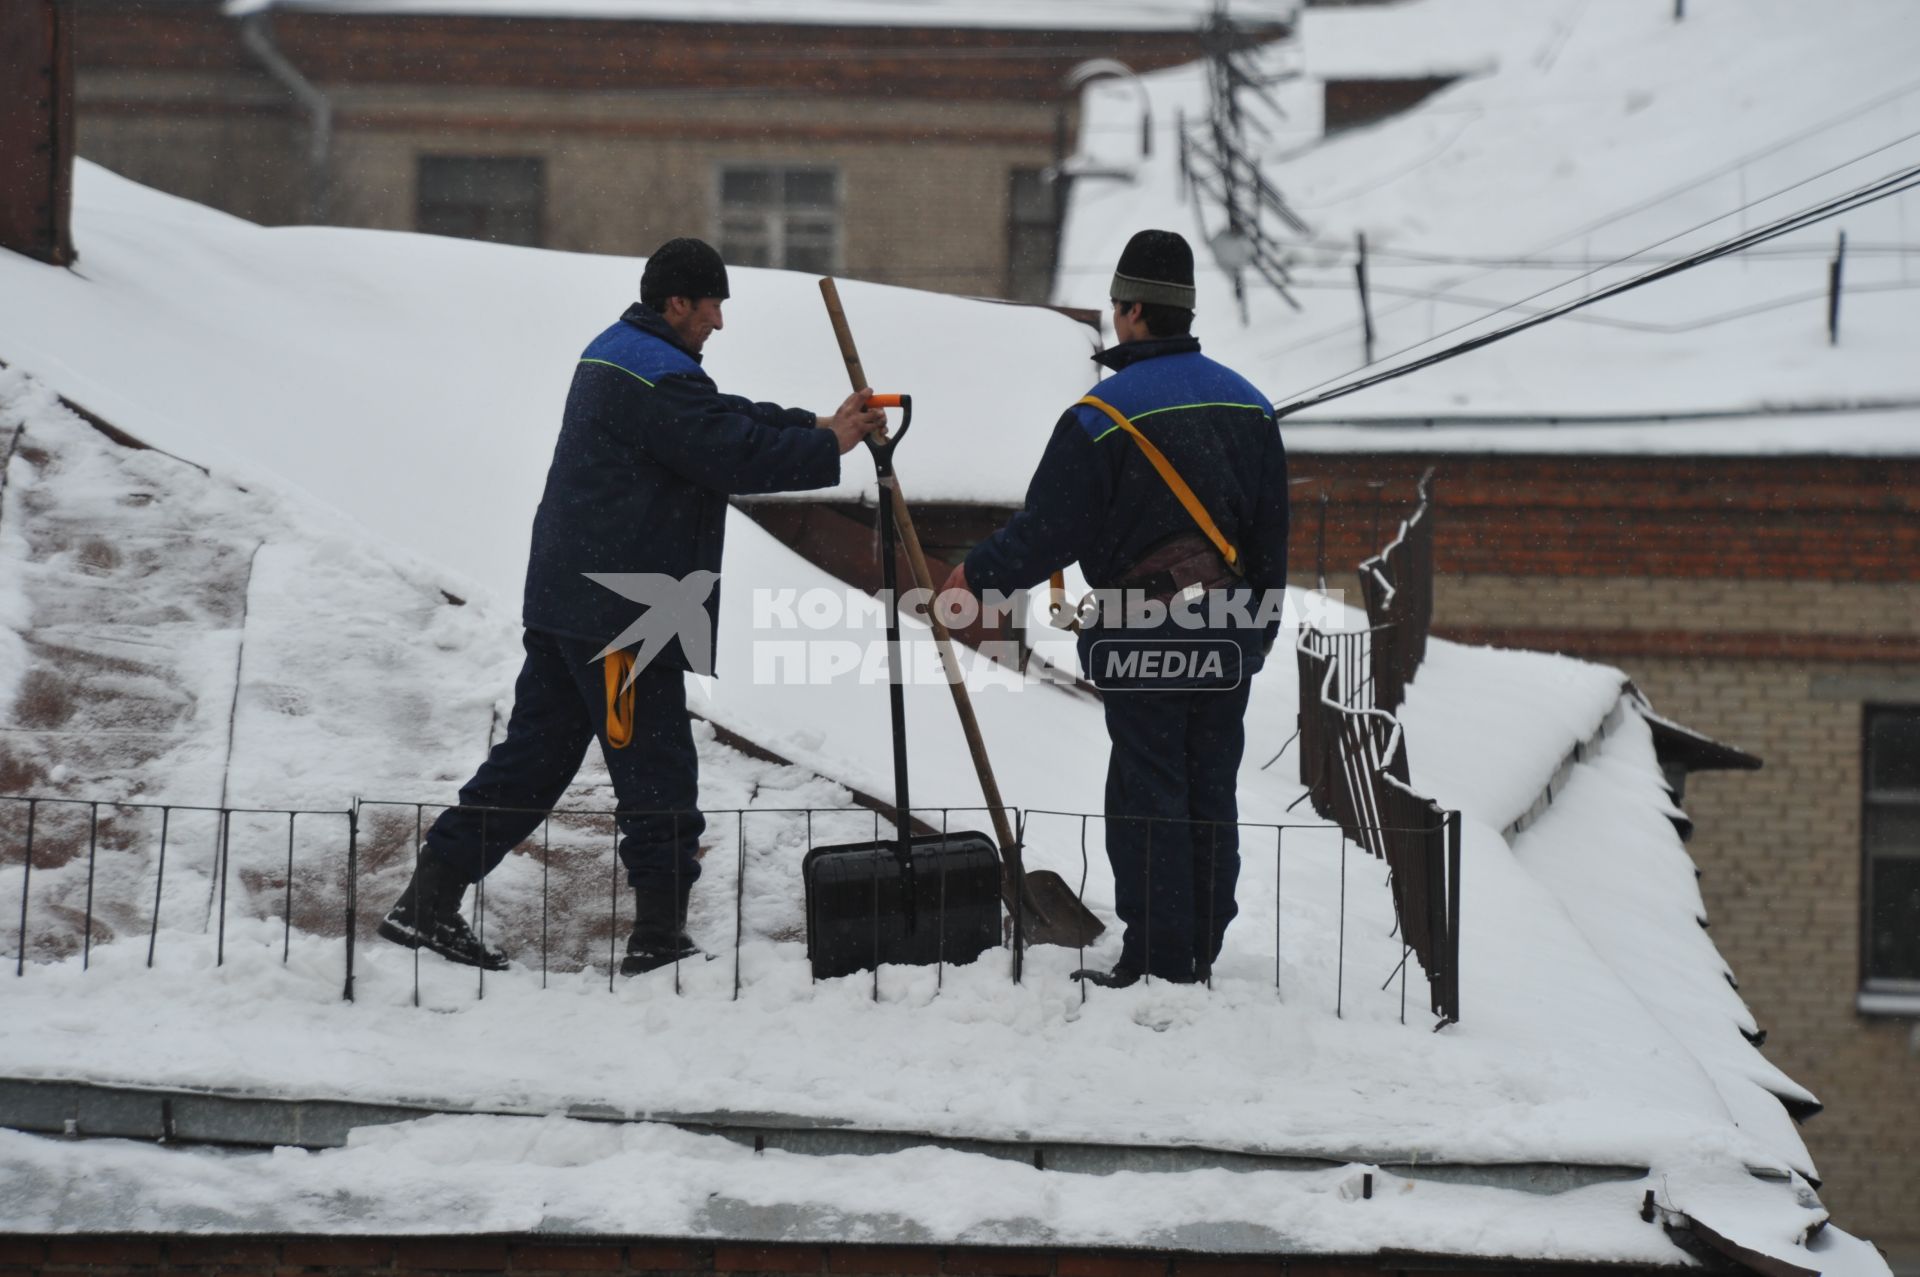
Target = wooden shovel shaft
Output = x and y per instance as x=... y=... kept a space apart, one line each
x=843 y=334
x=910 y=538
x=976 y=744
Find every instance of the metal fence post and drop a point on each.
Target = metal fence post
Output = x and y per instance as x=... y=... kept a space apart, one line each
x=353 y=891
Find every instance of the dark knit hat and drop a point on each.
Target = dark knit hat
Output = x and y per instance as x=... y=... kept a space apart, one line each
x=1157 y=267
x=684 y=267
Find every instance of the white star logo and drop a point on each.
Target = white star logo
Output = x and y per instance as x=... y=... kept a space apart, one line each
x=676 y=607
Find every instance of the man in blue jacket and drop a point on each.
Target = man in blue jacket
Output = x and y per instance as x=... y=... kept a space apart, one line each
x=1187 y=611
x=633 y=517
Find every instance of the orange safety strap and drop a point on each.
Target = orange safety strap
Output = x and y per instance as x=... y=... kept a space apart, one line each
x=1057 y=583
x=619 y=700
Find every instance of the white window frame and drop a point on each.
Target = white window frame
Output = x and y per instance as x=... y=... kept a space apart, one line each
x=777 y=227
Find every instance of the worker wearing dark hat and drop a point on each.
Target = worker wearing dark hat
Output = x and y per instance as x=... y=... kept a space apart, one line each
x=621 y=600
x=1174 y=680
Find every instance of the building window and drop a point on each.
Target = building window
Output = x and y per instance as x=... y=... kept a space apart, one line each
x=1891 y=828
x=787 y=217
x=1033 y=235
x=482 y=197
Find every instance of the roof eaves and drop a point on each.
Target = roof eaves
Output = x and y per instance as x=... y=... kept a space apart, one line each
x=1692 y=751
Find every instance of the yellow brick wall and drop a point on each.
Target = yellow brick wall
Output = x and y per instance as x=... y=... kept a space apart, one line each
x=1779 y=850
x=1780 y=859
x=927 y=209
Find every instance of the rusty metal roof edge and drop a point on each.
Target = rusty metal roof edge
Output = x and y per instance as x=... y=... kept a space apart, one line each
x=1743 y=1257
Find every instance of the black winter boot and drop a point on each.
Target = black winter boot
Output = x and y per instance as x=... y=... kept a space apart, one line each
x=659 y=931
x=1120 y=977
x=427 y=916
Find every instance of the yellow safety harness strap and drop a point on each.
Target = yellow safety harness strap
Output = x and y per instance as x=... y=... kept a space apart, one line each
x=1174 y=481
x=1057 y=585
x=619 y=700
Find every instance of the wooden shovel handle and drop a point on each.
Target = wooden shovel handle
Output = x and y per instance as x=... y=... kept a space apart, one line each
x=910 y=538
x=843 y=334
x=976 y=744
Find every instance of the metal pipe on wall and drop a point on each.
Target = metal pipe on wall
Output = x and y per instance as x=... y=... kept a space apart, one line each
x=256 y=32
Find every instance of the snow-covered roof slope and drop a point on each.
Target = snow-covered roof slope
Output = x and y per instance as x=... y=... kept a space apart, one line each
x=230 y=346
x=352 y=349
x=1048 y=15
x=1590 y=134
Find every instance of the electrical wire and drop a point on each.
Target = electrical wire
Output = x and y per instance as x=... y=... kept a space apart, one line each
x=1628 y=325
x=1872 y=192
x=1655 y=200
x=1626 y=259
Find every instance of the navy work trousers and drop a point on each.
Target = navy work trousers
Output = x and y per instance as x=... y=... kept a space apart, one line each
x=1171 y=835
x=559 y=705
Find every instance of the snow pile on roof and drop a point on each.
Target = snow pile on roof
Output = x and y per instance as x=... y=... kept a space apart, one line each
x=1049 y=15
x=230 y=346
x=499 y=330
x=1588 y=133
x=1415 y=39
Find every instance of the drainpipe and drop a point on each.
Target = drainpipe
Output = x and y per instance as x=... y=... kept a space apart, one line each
x=256 y=33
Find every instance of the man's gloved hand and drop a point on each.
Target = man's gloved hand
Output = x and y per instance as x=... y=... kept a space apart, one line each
x=854 y=421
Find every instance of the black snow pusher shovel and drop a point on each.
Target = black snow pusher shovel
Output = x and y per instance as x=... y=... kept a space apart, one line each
x=910 y=900
x=1046 y=910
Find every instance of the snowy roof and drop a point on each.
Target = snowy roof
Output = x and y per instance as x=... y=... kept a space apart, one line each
x=1598 y=1030
x=1048 y=15
x=1414 y=39
x=1591 y=134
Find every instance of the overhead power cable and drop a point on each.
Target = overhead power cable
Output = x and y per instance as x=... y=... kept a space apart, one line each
x=1732 y=166
x=1894 y=184
x=1625 y=325
x=1685 y=416
x=1623 y=260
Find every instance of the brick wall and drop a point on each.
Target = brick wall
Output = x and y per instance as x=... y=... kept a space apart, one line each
x=1793 y=518
x=191 y=135
x=177 y=37
x=1761 y=601
x=1780 y=858
x=353 y=1257
x=958 y=63
x=36 y=130
x=924 y=197
x=630 y=147
x=1348 y=104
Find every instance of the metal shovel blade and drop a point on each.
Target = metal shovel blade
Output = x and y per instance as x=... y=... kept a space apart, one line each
x=1051 y=912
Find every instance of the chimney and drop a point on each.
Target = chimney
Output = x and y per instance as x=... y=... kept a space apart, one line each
x=36 y=129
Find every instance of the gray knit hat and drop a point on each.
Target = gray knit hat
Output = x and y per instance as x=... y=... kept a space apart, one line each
x=1157 y=267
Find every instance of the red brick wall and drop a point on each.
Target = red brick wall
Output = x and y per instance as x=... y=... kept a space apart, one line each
x=36 y=130
x=354 y=1257
x=1348 y=104
x=1788 y=518
x=944 y=63
x=151 y=37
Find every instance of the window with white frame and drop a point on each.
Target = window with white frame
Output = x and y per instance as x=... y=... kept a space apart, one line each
x=1890 y=826
x=780 y=215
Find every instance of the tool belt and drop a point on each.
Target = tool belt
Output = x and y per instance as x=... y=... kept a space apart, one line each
x=1187 y=561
